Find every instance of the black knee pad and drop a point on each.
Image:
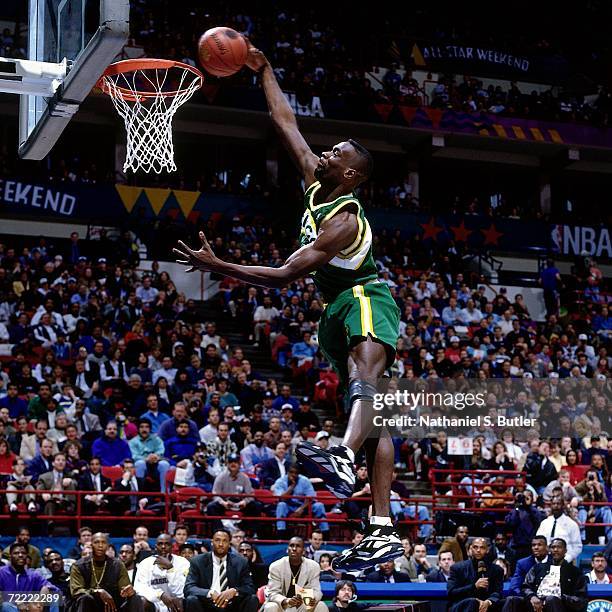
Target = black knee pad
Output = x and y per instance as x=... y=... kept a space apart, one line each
x=361 y=389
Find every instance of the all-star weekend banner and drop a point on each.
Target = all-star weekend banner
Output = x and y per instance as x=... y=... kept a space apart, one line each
x=115 y=204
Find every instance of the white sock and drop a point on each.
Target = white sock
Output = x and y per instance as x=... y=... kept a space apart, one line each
x=349 y=452
x=381 y=521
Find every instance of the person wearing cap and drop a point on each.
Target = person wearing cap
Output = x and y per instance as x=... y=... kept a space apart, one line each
x=287 y=422
x=305 y=416
x=233 y=492
x=269 y=410
x=322 y=439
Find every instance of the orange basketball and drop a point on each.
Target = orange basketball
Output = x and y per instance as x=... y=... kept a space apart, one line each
x=222 y=51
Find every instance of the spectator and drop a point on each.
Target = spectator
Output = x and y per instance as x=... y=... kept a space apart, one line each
x=345 y=598
x=220 y=449
x=270 y=470
x=256 y=453
x=220 y=579
x=294 y=484
x=111 y=449
x=233 y=491
x=23 y=538
x=567 y=593
x=524 y=521
x=258 y=569
x=442 y=572
x=387 y=573
x=58 y=578
x=19 y=482
x=160 y=578
x=94 y=589
x=153 y=415
x=264 y=318
x=148 y=453
x=126 y=554
x=93 y=480
x=463 y=592
x=16 y=577
x=129 y=482
x=457 y=545
x=598 y=574
x=57 y=481
x=559 y=525
x=288 y=576
x=85 y=536
x=591 y=493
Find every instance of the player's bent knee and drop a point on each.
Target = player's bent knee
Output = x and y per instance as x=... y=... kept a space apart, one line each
x=361 y=390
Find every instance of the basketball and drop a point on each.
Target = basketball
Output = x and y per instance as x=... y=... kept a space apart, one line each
x=222 y=51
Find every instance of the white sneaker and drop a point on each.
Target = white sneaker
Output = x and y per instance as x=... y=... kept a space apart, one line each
x=32 y=507
x=13 y=508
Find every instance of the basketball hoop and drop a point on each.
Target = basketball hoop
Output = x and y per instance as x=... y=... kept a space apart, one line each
x=146 y=94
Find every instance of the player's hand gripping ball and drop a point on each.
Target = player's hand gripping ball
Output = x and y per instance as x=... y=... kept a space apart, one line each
x=222 y=51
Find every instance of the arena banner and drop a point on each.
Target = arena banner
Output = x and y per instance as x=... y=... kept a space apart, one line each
x=484 y=59
x=109 y=203
x=575 y=240
x=494 y=126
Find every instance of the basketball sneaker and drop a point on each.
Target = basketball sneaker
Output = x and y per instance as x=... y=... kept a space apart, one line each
x=333 y=466
x=379 y=544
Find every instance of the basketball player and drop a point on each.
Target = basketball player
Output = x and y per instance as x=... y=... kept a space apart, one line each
x=359 y=328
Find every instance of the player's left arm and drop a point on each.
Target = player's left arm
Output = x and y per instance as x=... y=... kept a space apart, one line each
x=334 y=235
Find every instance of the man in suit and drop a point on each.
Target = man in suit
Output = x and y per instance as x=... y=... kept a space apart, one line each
x=57 y=480
x=387 y=573
x=539 y=550
x=475 y=585
x=218 y=580
x=458 y=544
x=442 y=572
x=287 y=579
x=87 y=423
x=43 y=461
x=129 y=482
x=84 y=379
x=93 y=480
x=272 y=469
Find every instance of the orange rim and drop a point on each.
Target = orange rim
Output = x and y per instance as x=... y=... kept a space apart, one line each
x=131 y=65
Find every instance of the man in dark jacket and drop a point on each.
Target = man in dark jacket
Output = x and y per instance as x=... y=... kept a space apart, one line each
x=554 y=586
x=539 y=554
x=387 y=573
x=220 y=580
x=523 y=521
x=540 y=469
x=270 y=469
x=475 y=585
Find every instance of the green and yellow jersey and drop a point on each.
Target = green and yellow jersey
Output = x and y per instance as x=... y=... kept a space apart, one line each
x=352 y=266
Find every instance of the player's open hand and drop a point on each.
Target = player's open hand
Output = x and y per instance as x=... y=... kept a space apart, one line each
x=203 y=259
x=256 y=60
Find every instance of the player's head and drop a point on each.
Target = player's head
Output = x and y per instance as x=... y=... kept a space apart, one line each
x=348 y=163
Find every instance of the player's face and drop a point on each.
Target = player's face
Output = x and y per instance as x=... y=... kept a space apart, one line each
x=334 y=163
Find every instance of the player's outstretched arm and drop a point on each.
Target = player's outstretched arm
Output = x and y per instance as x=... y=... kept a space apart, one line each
x=282 y=116
x=334 y=235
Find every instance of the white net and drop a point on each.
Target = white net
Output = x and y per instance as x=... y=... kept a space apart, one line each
x=147 y=99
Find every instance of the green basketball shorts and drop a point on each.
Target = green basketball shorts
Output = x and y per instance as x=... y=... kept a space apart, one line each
x=356 y=313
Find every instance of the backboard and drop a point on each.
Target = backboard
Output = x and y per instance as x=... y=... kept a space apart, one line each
x=88 y=34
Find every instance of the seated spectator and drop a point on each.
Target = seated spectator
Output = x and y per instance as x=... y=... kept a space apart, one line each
x=129 y=482
x=148 y=453
x=208 y=433
x=57 y=481
x=294 y=484
x=160 y=578
x=220 y=449
x=228 y=487
x=127 y=555
x=356 y=506
x=258 y=569
x=274 y=468
x=458 y=544
x=23 y=537
x=142 y=548
x=85 y=536
x=598 y=573
x=345 y=598
x=7 y=458
x=306 y=417
x=467 y=594
x=111 y=449
x=31 y=445
x=95 y=590
x=93 y=480
x=272 y=436
x=220 y=580
x=442 y=572
x=387 y=573
x=16 y=405
x=17 y=577
x=59 y=578
x=256 y=453
x=562 y=589
x=540 y=469
x=539 y=554
x=562 y=481
x=19 y=482
x=179 y=413
x=421 y=565
x=284 y=591
x=153 y=415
